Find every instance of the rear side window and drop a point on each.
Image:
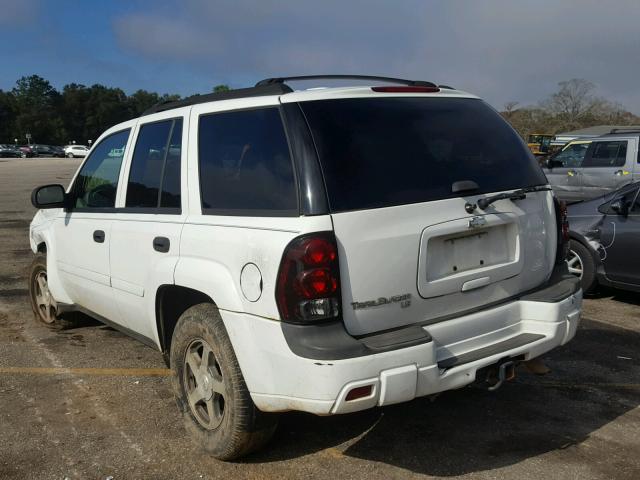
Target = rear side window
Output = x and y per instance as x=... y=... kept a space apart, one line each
x=607 y=154
x=245 y=165
x=380 y=152
x=154 y=178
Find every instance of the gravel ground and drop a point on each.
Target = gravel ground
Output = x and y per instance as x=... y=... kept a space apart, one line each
x=63 y=414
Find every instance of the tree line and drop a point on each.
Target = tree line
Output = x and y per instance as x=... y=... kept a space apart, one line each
x=79 y=113
x=573 y=106
x=76 y=114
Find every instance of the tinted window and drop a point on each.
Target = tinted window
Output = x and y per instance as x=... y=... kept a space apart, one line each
x=97 y=182
x=245 y=166
x=378 y=152
x=155 y=166
x=573 y=155
x=607 y=154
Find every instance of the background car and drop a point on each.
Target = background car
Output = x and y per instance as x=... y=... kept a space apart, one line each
x=27 y=151
x=57 y=151
x=73 y=151
x=582 y=171
x=605 y=234
x=48 y=151
x=9 y=151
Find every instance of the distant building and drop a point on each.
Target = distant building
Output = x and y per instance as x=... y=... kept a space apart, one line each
x=589 y=132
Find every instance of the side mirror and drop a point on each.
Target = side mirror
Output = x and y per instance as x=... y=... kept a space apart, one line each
x=620 y=207
x=48 y=196
x=550 y=163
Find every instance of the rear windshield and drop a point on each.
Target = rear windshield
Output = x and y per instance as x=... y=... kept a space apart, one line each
x=380 y=152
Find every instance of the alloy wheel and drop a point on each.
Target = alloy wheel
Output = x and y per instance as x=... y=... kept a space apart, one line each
x=45 y=303
x=575 y=265
x=204 y=384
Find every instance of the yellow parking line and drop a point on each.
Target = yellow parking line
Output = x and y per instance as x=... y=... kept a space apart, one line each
x=120 y=372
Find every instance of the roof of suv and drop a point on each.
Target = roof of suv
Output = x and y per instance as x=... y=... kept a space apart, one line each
x=277 y=86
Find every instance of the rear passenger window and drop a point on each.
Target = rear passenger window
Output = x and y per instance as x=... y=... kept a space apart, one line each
x=607 y=154
x=245 y=165
x=154 y=178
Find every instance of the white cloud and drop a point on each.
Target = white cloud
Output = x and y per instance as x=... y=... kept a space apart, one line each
x=500 y=49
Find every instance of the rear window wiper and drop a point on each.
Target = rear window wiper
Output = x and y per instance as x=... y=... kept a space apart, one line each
x=520 y=194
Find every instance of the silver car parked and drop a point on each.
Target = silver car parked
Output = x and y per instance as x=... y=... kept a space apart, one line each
x=586 y=169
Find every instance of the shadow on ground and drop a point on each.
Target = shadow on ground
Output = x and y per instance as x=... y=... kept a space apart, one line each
x=471 y=430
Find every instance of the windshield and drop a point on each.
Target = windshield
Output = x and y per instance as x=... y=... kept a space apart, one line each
x=380 y=152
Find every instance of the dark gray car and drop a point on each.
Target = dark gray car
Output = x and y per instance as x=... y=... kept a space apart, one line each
x=605 y=234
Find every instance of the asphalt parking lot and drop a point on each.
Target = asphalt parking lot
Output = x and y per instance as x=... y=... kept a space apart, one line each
x=91 y=403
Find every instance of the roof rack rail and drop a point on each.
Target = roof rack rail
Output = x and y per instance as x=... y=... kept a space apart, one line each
x=282 y=80
x=625 y=130
x=257 y=91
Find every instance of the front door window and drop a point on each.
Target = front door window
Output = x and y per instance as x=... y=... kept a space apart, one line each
x=97 y=182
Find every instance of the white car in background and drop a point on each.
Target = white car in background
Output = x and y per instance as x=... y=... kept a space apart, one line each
x=72 y=151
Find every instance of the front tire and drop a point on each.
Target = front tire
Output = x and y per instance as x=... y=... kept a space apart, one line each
x=210 y=390
x=69 y=155
x=581 y=264
x=44 y=306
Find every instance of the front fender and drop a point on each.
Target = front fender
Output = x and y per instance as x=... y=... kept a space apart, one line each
x=41 y=231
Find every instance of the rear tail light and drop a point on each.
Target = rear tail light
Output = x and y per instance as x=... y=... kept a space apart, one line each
x=562 y=222
x=405 y=89
x=308 y=285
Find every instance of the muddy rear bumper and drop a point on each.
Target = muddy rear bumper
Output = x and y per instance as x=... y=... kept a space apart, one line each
x=443 y=356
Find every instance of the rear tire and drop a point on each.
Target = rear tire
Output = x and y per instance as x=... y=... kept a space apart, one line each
x=210 y=390
x=582 y=265
x=44 y=306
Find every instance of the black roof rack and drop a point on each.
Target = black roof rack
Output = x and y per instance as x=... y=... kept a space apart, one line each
x=625 y=130
x=257 y=91
x=282 y=80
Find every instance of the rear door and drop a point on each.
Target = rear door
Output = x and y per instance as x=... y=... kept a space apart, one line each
x=409 y=250
x=607 y=167
x=145 y=235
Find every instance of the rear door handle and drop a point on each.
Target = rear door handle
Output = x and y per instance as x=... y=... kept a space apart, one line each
x=98 y=236
x=161 y=244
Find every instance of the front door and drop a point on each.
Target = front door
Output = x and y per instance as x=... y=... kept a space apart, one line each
x=82 y=233
x=566 y=179
x=605 y=167
x=620 y=235
x=145 y=236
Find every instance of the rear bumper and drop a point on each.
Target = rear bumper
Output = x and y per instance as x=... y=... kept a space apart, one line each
x=447 y=357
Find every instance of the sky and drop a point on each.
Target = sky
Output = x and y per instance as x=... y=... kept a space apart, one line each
x=501 y=50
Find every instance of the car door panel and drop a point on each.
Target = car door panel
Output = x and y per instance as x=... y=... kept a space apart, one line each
x=566 y=179
x=620 y=237
x=83 y=232
x=607 y=167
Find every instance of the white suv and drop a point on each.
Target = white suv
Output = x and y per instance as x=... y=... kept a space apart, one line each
x=72 y=151
x=328 y=250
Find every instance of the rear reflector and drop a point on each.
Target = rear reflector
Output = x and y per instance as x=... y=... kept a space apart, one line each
x=358 y=392
x=405 y=89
